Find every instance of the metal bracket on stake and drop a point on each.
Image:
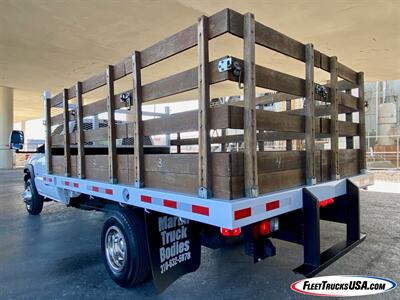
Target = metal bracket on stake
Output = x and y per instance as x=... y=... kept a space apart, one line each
x=204 y=193
x=138 y=184
x=225 y=64
x=252 y=192
x=126 y=98
x=228 y=64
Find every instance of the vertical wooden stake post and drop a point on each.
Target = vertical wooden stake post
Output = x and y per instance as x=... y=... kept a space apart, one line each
x=289 y=143
x=349 y=118
x=79 y=132
x=334 y=118
x=137 y=125
x=67 y=154
x=47 y=107
x=204 y=109
x=250 y=126
x=112 y=149
x=360 y=82
x=310 y=116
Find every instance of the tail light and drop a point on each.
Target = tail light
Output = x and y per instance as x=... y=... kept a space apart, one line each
x=27 y=156
x=267 y=226
x=326 y=202
x=230 y=232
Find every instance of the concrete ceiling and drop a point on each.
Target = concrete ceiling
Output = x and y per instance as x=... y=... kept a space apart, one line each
x=47 y=44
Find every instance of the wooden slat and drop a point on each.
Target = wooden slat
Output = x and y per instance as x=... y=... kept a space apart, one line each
x=280 y=96
x=347 y=73
x=310 y=116
x=48 y=140
x=348 y=101
x=278 y=81
x=138 y=122
x=79 y=131
x=224 y=187
x=187 y=163
x=363 y=162
x=205 y=189
x=271 y=79
x=112 y=149
x=181 y=41
x=283 y=125
x=320 y=110
x=273 y=121
x=346 y=129
x=59 y=166
x=267 y=37
x=274 y=40
x=334 y=130
x=250 y=125
x=221 y=117
x=235 y=138
x=181 y=82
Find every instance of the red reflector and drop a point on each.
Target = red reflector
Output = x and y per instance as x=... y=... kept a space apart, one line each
x=202 y=210
x=109 y=191
x=272 y=205
x=146 y=199
x=242 y=213
x=76 y=184
x=230 y=232
x=169 y=203
x=326 y=202
x=95 y=189
x=265 y=227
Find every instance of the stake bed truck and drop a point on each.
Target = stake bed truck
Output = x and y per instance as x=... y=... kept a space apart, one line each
x=250 y=173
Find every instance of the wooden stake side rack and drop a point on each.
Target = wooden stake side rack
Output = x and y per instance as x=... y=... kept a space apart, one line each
x=227 y=175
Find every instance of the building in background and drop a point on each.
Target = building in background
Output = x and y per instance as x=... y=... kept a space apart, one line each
x=382 y=118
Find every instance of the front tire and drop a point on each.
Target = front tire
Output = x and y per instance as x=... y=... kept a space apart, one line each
x=124 y=247
x=33 y=201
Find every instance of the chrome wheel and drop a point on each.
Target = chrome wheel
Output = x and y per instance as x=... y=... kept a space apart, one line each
x=27 y=196
x=115 y=246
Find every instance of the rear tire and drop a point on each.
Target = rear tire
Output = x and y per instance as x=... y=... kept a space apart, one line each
x=33 y=201
x=124 y=247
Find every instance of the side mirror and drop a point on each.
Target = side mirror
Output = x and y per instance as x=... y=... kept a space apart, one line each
x=17 y=140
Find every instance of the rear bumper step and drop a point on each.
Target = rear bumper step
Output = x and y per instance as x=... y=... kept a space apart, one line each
x=328 y=257
x=346 y=210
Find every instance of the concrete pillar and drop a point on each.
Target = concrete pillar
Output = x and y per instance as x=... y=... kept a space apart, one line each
x=6 y=126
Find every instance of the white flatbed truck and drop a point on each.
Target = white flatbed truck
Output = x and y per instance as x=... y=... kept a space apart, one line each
x=165 y=203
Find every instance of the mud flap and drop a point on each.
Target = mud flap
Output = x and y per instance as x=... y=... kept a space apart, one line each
x=174 y=247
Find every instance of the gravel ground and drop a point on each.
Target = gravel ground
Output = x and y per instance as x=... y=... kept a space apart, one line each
x=57 y=256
